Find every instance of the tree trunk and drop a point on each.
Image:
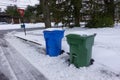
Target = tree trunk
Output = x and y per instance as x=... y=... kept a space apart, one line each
x=77 y=16
x=109 y=8
x=46 y=12
x=76 y=12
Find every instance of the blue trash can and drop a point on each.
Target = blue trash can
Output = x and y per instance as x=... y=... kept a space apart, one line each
x=53 y=42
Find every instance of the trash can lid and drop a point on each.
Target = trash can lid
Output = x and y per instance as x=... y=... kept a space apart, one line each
x=82 y=33
x=52 y=29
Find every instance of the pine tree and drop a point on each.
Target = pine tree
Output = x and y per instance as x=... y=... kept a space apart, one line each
x=30 y=14
x=102 y=14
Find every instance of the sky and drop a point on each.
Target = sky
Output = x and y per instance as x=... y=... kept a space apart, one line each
x=19 y=3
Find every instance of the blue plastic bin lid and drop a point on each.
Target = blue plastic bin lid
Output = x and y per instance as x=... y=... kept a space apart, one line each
x=55 y=33
x=52 y=29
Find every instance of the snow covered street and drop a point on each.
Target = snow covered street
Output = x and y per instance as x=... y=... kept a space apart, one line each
x=105 y=52
x=4 y=64
x=13 y=66
x=60 y=40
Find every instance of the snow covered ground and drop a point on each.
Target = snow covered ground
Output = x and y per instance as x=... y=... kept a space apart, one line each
x=105 y=52
x=18 y=26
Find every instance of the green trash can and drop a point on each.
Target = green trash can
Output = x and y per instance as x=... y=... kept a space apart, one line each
x=80 y=49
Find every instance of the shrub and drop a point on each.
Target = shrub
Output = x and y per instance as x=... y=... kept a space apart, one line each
x=100 y=21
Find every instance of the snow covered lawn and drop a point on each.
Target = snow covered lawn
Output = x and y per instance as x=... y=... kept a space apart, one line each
x=105 y=52
x=18 y=26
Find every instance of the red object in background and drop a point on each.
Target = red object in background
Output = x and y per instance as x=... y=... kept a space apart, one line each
x=22 y=12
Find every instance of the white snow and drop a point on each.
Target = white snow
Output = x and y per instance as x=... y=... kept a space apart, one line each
x=81 y=33
x=52 y=29
x=18 y=26
x=105 y=52
x=5 y=66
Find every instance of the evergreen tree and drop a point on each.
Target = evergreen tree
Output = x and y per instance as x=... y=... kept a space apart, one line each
x=62 y=12
x=30 y=14
x=12 y=10
x=102 y=14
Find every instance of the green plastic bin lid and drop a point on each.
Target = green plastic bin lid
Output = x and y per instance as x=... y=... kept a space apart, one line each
x=80 y=34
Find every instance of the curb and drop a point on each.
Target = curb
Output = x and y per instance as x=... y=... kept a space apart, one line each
x=29 y=41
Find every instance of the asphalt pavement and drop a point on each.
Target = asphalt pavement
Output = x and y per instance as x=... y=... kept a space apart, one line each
x=13 y=66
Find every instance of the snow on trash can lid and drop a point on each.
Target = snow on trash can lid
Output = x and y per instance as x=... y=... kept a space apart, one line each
x=82 y=33
x=52 y=29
